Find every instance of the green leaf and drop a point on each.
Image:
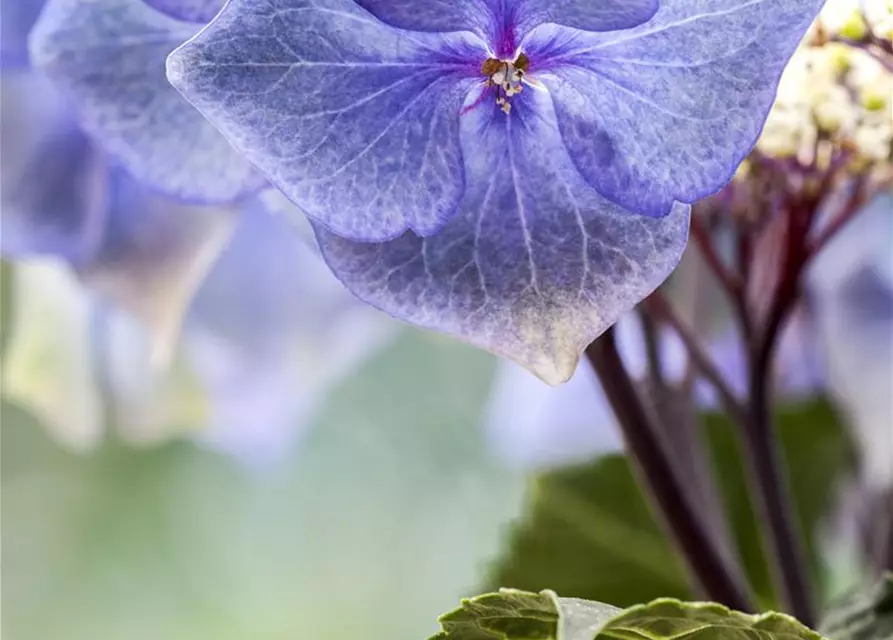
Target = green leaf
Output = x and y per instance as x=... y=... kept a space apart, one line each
x=520 y=615
x=589 y=533
x=507 y=615
x=511 y=614
x=819 y=453
x=667 y=619
x=865 y=614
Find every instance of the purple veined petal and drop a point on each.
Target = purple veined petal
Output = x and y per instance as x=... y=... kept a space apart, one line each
x=666 y=111
x=585 y=15
x=437 y=16
x=499 y=21
x=355 y=121
x=199 y=11
x=16 y=19
x=52 y=182
x=535 y=265
x=154 y=254
x=270 y=331
x=850 y=285
x=48 y=365
x=108 y=55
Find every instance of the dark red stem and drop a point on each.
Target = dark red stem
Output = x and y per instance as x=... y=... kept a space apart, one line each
x=770 y=487
x=708 y=565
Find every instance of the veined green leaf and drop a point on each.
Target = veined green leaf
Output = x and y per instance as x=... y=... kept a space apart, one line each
x=521 y=615
x=507 y=615
x=511 y=614
x=667 y=619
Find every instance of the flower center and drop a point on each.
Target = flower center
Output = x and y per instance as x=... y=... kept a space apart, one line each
x=507 y=77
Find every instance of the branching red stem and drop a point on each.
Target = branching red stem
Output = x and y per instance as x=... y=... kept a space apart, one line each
x=710 y=567
x=661 y=308
x=770 y=488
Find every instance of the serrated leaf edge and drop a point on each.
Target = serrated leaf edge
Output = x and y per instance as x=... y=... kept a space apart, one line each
x=714 y=607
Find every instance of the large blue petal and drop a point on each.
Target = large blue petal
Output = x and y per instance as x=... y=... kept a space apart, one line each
x=588 y=15
x=536 y=264
x=16 y=19
x=496 y=20
x=52 y=182
x=109 y=55
x=666 y=112
x=356 y=122
x=200 y=11
x=155 y=252
x=435 y=15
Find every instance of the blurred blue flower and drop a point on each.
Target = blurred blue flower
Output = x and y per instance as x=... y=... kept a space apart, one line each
x=851 y=293
x=63 y=195
x=108 y=57
x=514 y=172
x=266 y=329
x=267 y=334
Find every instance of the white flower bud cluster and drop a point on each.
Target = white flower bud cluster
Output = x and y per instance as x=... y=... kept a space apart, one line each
x=834 y=90
x=853 y=19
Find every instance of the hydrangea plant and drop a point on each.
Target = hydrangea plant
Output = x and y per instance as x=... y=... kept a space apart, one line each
x=515 y=173
x=155 y=250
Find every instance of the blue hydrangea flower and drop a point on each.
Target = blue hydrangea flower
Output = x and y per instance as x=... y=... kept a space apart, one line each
x=850 y=286
x=108 y=57
x=514 y=172
x=64 y=195
x=258 y=305
x=267 y=334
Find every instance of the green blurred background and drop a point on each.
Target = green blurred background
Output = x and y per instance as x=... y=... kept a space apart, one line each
x=388 y=511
